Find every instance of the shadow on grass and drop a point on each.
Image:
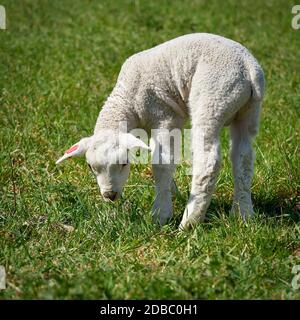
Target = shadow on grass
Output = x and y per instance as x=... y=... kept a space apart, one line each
x=276 y=206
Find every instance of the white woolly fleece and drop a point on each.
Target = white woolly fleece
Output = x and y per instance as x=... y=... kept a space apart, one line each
x=166 y=78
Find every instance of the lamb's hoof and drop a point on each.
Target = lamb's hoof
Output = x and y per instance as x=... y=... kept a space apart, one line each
x=244 y=214
x=161 y=221
x=187 y=225
x=162 y=210
x=189 y=221
x=161 y=217
x=183 y=227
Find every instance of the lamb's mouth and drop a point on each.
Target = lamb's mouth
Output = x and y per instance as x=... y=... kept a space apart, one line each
x=110 y=196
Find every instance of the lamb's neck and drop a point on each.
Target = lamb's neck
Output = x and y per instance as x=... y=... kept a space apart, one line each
x=116 y=111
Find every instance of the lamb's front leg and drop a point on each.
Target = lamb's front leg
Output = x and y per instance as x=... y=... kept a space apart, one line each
x=162 y=209
x=163 y=165
x=206 y=163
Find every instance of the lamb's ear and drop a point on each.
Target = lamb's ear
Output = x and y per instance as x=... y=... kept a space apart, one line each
x=129 y=141
x=78 y=149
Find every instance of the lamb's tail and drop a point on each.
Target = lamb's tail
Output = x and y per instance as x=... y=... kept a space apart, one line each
x=257 y=78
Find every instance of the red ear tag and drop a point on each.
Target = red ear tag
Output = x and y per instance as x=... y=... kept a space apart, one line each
x=72 y=149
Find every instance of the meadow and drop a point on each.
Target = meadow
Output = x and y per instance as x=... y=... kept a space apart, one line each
x=59 y=61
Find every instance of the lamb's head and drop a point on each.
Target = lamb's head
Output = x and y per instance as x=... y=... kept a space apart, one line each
x=107 y=156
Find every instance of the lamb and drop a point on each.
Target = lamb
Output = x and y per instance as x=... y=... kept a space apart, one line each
x=212 y=80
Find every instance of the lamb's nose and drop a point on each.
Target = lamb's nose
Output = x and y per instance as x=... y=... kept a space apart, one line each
x=111 y=195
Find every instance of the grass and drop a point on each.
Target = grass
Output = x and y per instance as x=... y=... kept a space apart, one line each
x=58 y=239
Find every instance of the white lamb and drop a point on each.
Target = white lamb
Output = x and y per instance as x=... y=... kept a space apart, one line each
x=211 y=79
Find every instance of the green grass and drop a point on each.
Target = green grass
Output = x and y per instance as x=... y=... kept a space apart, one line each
x=58 y=62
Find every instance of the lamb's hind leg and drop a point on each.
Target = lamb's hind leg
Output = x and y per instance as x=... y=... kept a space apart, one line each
x=206 y=164
x=243 y=129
